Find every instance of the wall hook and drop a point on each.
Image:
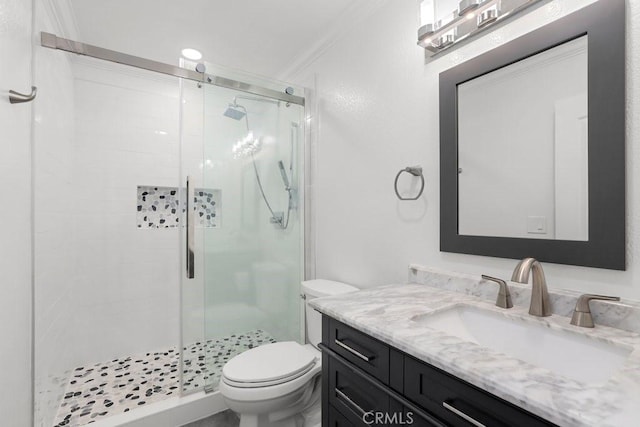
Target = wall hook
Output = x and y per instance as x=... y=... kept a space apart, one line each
x=17 y=97
x=415 y=171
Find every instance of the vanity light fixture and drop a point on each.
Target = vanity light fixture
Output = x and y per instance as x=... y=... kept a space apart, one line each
x=441 y=30
x=192 y=54
x=487 y=17
x=427 y=21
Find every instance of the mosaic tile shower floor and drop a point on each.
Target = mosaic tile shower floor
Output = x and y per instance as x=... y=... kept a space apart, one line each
x=121 y=385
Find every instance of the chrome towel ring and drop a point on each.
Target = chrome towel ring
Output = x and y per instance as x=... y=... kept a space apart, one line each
x=415 y=171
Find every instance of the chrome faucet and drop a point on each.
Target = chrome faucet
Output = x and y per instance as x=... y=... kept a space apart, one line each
x=540 y=305
x=582 y=313
x=504 y=296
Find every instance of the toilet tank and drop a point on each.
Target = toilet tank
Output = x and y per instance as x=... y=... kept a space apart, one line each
x=316 y=289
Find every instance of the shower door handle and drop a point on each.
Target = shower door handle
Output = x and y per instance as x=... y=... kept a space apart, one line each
x=190 y=230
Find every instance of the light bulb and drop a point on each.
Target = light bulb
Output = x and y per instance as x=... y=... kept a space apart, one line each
x=192 y=54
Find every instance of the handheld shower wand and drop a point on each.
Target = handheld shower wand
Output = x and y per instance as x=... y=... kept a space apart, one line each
x=283 y=173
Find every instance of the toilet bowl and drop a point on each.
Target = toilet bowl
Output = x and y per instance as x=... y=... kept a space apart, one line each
x=271 y=385
x=274 y=385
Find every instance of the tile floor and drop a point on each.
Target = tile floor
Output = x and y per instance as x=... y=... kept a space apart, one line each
x=120 y=385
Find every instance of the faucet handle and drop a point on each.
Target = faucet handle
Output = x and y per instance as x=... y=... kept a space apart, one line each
x=504 y=296
x=582 y=313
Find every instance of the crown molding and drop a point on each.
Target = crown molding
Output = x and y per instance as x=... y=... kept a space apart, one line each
x=357 y=12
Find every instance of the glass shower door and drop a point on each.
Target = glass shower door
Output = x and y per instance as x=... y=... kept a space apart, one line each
x=252 y=233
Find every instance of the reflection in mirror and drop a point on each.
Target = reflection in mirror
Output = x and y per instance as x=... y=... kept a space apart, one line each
x=522 y=148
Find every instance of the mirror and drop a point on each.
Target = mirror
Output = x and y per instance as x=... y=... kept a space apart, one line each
x=532 y=141
x=543 y=101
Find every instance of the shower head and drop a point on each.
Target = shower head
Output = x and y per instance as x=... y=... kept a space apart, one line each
x=285 y=179
x=235 y=111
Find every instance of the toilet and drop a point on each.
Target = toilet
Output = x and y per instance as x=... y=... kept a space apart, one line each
x=275 y=384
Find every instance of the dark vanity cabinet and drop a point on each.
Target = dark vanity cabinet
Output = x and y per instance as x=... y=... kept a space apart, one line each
x=366 y=382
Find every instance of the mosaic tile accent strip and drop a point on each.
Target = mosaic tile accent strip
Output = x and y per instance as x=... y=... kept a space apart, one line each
x=207 y=207
x=161 y=207
x=158 y=207
x=120 y=385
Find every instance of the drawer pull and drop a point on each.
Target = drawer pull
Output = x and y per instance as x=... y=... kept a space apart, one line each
x=350 y=402
x=462 y=415
x=353 y=351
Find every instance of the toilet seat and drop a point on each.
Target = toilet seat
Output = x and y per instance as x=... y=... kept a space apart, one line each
x=247 y=391
x=266 y=383
x=269 y=365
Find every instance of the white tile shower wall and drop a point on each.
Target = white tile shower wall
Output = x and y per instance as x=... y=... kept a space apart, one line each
x=126 y=294
x=379 y=113
x=15 y=247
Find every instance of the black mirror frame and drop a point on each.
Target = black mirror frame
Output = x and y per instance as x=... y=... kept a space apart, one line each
x=604 y=23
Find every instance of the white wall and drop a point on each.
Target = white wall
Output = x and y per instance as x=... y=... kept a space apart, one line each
x=15 y=245
x=379 y=113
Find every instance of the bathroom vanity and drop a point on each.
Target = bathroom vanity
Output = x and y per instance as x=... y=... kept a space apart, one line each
x=365 y=380
x=400 y=353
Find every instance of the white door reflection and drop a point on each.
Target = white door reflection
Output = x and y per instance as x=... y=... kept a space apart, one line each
x=522 y=148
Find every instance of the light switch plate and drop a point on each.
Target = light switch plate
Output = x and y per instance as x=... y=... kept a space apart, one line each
x=537 y=225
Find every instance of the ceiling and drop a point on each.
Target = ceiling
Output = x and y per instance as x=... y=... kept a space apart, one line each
x=260 y=36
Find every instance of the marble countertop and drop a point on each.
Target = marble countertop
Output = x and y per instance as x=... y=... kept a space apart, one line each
x=385 y=313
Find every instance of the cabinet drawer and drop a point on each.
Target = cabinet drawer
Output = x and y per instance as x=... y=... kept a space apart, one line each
x=365 y=352
x=352 y=395
x=457 y=402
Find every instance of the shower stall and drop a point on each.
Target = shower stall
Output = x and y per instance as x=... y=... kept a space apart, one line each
x=168 y=228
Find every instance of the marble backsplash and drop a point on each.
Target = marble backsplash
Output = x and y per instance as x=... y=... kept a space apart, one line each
x=623 y=315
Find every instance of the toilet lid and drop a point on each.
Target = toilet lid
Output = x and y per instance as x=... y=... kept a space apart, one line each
x=268 y=363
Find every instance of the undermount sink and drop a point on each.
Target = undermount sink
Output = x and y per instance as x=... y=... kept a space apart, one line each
x=563 y=352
